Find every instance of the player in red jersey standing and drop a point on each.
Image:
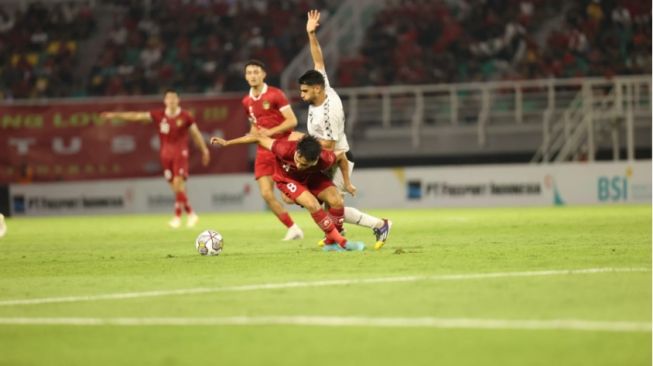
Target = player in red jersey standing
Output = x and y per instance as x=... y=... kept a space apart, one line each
x=174 y=125
x=298 y=174
x=270 y=114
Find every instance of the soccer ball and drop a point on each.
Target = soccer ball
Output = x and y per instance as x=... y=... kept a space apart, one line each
x=209 y=242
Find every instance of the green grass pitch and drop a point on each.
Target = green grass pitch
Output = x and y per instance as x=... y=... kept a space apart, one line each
x=46 y=259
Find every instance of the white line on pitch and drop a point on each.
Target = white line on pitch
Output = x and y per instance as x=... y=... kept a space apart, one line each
x=336 y=321
x=308 y=284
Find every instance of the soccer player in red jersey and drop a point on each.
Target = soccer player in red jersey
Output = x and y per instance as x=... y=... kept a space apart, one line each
x=298 y=174
x=269 y=113
x=174 y=125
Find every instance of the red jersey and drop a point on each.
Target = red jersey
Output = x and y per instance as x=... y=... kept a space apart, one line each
x=284 y=150
x=173 y=132
x=265 y=109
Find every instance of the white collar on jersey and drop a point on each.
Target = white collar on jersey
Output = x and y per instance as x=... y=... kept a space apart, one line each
x=263 y=91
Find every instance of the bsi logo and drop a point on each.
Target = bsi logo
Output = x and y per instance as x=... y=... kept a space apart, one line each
x=612 y=189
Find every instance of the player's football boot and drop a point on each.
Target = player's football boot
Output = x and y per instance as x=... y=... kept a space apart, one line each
x=333 y=248
x=175 y=223
x=355 y=246
x=324 y=241
x=294 y=233
x=382 y=234
x=3 y=226
x=352 y=246
x=192 y=220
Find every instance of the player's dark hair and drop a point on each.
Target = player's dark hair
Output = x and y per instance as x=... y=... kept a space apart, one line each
x=169 y=90
x=254 y=63
x=309 y=147
x=312 y=78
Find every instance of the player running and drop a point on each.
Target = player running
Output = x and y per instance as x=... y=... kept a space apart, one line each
x=298 y=174
x=326 y=121
x=270 y=113
x=174 y=125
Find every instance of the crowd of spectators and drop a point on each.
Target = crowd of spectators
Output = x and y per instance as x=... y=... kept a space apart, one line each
x=39 y=48
x=422 y=42
x=198 y=46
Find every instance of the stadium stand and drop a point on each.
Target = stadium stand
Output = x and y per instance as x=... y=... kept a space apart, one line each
x=40 y=48
x=196 y=47
x=427 y=42
x=200 y=46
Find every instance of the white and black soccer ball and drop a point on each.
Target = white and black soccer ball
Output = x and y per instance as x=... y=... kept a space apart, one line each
x=209 y=242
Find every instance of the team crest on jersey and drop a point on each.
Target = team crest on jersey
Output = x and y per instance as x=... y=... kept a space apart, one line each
x=266 y=105
x=179 y=122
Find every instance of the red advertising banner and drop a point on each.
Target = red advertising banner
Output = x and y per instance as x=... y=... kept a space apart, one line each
x=69 y=141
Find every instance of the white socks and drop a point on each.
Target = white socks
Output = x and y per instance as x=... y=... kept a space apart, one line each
x=353 y=216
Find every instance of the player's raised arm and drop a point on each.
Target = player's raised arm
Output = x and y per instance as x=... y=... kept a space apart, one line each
x=311 y=28
x=199 y=142
x=127 y=116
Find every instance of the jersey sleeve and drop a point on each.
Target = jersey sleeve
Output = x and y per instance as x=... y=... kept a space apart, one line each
x=281 y=100
x=155 y=116
x=327 y=159
x=281 y=148
x=246 y=110
x=190 y=120
x=327 y=85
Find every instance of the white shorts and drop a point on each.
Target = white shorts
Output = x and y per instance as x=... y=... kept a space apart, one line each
x=337 y=179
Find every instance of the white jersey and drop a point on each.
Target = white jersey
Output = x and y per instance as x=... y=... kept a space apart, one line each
x=327 y=121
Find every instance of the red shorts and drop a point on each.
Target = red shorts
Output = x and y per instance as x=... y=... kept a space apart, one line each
x=176 y=166
x=264 y=163
x=292 y=189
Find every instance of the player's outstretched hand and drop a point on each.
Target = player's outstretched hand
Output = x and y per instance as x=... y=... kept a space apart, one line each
x=351 y=189
x=313 y=21
x=218 y=141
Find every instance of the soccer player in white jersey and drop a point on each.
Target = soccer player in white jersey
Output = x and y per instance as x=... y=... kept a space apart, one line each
x=326 y=122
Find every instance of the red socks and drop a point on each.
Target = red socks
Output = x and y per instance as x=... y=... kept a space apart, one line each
x=324 y=221
x=285 y=219
x=338 y=215
x=181 y=200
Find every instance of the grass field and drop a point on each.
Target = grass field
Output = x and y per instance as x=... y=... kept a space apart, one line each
x=451 y=287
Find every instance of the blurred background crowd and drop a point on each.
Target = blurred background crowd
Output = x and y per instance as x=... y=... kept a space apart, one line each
x=120 y=47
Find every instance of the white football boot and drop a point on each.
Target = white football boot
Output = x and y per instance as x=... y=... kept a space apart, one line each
x=175 y=223
x=192 y=220
x=294 y=233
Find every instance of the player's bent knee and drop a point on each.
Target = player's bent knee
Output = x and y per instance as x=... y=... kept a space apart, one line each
x=313 y=207
x=336 y=201
x=333 y=198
